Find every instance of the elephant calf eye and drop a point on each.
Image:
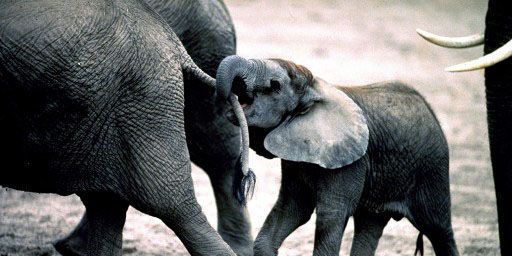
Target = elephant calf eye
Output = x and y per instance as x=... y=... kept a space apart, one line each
x=275 y=85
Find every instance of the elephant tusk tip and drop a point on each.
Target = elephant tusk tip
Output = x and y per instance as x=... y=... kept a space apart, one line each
x=463 y=67
x=451 y=69
x=426 y=35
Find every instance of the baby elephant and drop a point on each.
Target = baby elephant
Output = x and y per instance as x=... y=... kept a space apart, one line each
x=373 y=152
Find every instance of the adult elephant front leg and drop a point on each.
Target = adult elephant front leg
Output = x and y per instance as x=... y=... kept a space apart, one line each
x=100 y=229
x=214 y=145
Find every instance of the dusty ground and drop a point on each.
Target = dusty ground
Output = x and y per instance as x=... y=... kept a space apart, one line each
x=347 y=42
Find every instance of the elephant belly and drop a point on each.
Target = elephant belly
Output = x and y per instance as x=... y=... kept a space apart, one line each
x=49 y=141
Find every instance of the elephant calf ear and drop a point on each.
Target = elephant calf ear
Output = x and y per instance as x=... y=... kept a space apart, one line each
x=332 y=134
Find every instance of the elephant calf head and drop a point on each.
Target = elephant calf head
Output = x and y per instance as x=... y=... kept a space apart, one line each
x=307 y=120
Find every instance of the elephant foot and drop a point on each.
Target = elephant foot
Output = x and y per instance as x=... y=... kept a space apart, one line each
x=99 y=232
x=241 y=245
x=76 y=242
x=71 y=246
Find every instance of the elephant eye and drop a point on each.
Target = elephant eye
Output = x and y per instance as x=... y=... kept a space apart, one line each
x=304 y=110
x=275 y=85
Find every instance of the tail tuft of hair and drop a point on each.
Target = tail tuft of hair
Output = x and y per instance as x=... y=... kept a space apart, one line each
x=419 y=245
x=243 y=185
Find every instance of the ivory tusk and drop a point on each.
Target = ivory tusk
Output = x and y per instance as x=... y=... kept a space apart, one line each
x=452 y=42
x=488 y=60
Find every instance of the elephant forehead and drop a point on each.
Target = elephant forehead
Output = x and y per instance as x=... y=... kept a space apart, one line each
x=274 y=71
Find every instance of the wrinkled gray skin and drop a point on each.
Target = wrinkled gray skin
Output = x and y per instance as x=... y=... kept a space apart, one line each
x=206 y=30
x=498 y=90
x=92 y=103
x=401 y=172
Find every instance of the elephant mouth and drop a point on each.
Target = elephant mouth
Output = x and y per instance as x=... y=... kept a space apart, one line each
x=245 y=106
x=245 y=99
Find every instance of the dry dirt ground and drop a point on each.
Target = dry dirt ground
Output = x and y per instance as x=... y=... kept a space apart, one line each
x=346 y=42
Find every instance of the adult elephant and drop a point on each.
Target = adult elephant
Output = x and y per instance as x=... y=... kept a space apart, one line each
x=92 y=103
x=498 y=82
x=206 y=30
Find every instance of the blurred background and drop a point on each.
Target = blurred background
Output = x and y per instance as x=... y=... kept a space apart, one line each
x=349 y=42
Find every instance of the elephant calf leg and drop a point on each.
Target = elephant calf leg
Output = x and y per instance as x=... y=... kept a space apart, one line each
x=100 y=229
x=367 y=232
x=292 y=209
x=330 y=225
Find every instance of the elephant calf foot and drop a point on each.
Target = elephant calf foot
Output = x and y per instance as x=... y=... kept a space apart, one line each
x=70 y=246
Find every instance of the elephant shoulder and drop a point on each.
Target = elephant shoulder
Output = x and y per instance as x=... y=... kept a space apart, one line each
x=391 y=87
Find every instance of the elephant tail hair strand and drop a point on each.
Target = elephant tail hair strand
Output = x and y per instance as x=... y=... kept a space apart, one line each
x=419 y=245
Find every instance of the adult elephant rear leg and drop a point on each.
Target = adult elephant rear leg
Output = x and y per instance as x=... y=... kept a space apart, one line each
x=430 y=214
x=100 y=229
x=157 y=163
x=166 y=192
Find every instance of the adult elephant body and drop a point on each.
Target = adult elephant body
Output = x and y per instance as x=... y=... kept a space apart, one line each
x=92 y=103
x=497 y=42
x=206 y=30
x=498 y=82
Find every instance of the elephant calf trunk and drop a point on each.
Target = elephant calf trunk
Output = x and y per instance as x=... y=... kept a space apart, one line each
x=244 y=179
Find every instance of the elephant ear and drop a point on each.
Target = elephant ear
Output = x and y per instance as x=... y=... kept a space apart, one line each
x=332 y=134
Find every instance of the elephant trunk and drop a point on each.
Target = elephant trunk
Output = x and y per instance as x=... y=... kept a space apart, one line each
x=230 y=68
x=498 y=81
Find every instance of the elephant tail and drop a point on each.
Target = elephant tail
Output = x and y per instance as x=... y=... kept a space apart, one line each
x=419 y=245
x=244 y=178
x=243 y=184
x=191 y=70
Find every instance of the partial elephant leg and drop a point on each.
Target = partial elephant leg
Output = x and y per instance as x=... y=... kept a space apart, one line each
x=233 y=219
x=431 y=216
x=498 y=84
x=367 y=232
x=161 y=185
x=100 y=229
x=151 y=132
x=330 y=225
x=338 y=193
x=293 y=208
x=75 y=243
x=176 y=205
